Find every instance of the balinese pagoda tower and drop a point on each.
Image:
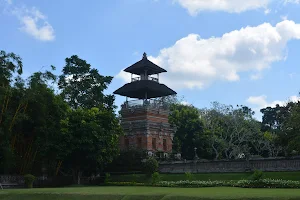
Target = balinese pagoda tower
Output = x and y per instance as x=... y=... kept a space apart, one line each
x=145 y=119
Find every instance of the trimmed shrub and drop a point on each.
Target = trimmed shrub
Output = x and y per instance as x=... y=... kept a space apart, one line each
x=150 y=166
x=29 y=179
x=155 y=178
x=134 y=178
x=189 y=176
x=257 y=175
x=107 y=177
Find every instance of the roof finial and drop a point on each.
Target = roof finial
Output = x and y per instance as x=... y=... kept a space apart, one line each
x=144 y=55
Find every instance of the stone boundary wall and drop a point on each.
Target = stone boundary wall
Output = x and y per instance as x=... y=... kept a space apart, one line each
x=16 y=181
x=271 y=165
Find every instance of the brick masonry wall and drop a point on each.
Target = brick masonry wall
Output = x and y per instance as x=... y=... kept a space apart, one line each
x=231 y=166
x=146 y=142
x=146 y=117
x=151 y=130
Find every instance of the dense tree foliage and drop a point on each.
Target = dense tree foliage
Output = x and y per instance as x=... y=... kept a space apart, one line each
x=190 y=130
x=91 y=138
x=75 y=130
x=227 y=132
x=83 y=86
x=40 y=129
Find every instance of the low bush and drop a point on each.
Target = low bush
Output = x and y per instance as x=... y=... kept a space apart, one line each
x=107 y=178
x=150 y=166
x=155 y=178
x=134 y=178
x=192 y=183
x=29 y=179
x=263 y=183
x=257 y=175
x=189 y=176
x=268 y=183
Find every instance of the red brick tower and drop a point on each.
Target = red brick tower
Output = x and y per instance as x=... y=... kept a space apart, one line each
x=145 y=119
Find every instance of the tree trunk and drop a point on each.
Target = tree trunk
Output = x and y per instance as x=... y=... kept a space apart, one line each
x=76 y=176
x=216 y=152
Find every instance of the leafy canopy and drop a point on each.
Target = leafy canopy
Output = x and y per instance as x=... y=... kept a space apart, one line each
x=83 y=86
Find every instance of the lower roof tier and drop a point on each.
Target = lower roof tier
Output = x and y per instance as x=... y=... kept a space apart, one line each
x=144 y=89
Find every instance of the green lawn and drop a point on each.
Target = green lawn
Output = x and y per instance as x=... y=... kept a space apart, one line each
x=207 y=176
x=150 y=193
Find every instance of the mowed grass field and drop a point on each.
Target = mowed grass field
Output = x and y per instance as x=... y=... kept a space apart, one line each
x=206 y=176
x=149 y=193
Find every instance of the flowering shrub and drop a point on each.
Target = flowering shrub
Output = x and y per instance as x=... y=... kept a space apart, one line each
x=192 y=183
x=263 y=183
x=268 y=183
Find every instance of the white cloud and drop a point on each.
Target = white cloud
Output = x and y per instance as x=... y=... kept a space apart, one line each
x=231 y=6
x=34 y=23
x=261 y=101
x=267 y=11
x=185 y=103
x=284 y=17
x=195 y=62
x=256 y=76
x=292 y=1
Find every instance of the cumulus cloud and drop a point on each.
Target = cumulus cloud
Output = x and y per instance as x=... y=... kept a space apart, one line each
x=185 y=103
x=33 y=22
x=231 y=6
x=261 y=101
x=195 y=62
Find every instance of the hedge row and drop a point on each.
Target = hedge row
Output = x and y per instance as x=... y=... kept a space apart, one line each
x=263 y=183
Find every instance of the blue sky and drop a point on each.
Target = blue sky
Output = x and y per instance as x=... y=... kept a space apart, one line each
x=231 y=51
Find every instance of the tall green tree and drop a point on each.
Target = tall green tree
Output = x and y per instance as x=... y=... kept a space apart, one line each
x=10 y=63
x=83 y=86
x=290 y=136
x=41 y=128
x=230 y=129
x=10 y=67
x=92 y=139
x=276 y=121
x=189 y=133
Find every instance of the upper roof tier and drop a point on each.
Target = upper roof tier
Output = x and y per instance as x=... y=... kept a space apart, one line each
x=143 y=65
